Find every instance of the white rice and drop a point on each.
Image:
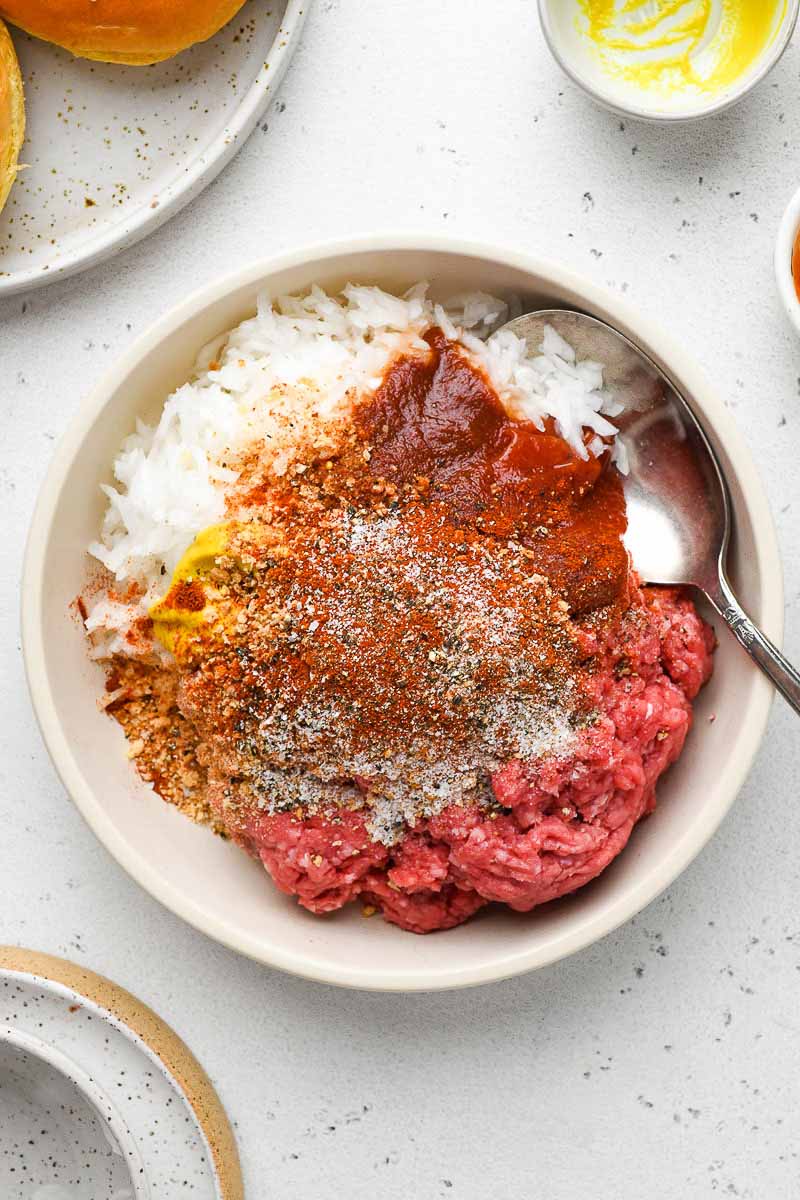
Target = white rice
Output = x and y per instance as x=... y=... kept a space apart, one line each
x=282 y=378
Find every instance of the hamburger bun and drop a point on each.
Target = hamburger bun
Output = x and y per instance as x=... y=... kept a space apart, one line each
x=137 y=32
x=12 y=113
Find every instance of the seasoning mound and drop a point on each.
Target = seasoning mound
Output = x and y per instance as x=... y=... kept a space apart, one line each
x=402 y=655
x=397 y=650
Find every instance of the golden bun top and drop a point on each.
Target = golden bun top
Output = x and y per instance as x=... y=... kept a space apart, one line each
x=121 y=31
x=12 y=113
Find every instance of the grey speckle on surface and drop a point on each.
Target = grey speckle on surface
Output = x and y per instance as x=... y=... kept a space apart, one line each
x=535 y=1083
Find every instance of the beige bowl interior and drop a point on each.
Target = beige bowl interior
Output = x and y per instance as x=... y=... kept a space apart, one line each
x=212 y=884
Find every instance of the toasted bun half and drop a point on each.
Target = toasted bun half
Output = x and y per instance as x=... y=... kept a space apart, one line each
x=12 y=113
x=121 y=31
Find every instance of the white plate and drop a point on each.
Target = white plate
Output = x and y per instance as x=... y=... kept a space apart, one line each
x=96 y=1089
x=112 y=151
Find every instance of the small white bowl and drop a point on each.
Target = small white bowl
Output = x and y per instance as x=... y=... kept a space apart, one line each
x=784 y=249
x=211 y=883
x=69 y=1137
x=574 y=56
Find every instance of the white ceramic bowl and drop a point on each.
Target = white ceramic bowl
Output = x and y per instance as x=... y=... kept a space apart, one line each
x=211 y=883
x=70 y=1139
x=575 y=58
x=784 y=247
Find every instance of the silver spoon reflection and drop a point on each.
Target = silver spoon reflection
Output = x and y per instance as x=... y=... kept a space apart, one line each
x=679 y=509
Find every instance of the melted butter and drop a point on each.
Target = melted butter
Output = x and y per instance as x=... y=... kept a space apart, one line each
x=706 y=45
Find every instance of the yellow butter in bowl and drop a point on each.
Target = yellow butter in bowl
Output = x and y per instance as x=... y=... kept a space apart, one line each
x=671 y=45
x=668 y=60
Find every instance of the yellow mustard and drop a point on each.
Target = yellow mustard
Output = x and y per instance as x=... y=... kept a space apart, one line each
x=669 y=44
x=191 y=607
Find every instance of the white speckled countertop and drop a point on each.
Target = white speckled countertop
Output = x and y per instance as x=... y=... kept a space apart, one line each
x=663 y=1062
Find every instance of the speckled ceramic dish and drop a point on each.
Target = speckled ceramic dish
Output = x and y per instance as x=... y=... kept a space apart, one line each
x=99 y=1099
x=112 y=151
x=213 y=884
x=60 y=1134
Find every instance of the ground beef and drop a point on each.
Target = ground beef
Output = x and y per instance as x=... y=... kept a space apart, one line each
x=557 y=823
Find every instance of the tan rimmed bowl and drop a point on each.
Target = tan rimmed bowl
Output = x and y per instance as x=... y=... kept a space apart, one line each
x=69 y=1039
x=213 y=885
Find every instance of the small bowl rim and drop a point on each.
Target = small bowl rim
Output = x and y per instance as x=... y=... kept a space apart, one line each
x=190 y=908
x=770 y=59
x=95 y=1096
x=784 y=248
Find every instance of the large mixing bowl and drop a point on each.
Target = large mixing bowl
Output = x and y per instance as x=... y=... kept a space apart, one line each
x=211 y=883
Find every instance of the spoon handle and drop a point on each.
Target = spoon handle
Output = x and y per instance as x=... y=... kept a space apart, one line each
x=768 y=657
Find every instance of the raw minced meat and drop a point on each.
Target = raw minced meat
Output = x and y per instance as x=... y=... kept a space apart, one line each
x=558 y=822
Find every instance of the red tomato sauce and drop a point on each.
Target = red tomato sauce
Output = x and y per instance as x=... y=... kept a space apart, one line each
x=441 y=421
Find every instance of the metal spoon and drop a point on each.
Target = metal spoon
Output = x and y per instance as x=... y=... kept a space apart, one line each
x=679 y=509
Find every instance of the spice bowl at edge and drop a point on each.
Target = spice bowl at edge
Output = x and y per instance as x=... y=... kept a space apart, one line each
x=209 y=882
x=788 y=234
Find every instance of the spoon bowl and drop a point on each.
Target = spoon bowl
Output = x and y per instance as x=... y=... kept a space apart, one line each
x=678 y=503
